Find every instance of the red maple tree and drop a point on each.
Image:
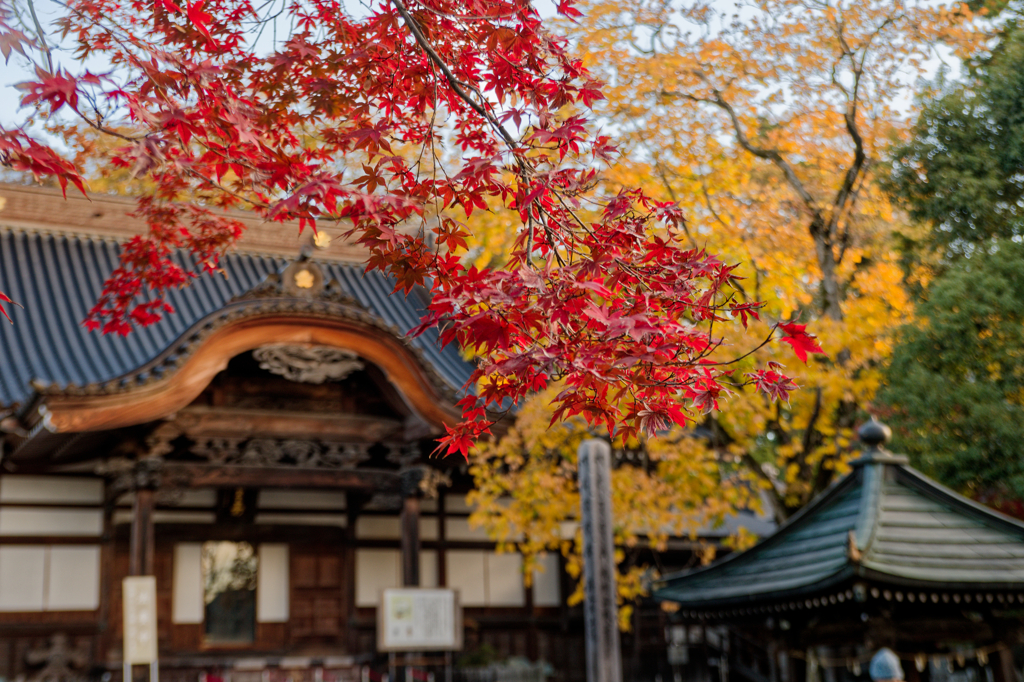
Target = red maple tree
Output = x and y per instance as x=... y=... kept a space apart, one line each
x=343 y=120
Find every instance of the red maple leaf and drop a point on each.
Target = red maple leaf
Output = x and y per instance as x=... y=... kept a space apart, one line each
x=200 y=19
x=775 y=385
x=5 y=299
x=802 y=342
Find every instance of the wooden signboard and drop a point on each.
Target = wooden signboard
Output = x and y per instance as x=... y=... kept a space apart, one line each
x=419 y=619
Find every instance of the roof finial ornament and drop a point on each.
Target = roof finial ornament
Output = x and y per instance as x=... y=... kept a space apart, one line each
x=874 y=433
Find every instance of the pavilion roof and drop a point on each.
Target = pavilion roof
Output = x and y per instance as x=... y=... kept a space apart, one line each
x=884 y=523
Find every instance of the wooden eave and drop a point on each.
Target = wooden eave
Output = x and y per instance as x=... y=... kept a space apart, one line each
x=165 y=396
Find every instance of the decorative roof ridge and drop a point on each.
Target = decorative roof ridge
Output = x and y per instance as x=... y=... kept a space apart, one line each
x=870 y=466
x=67 y=233
x=105 y=216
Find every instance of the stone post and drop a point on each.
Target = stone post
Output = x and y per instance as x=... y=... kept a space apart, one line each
x=600 y=614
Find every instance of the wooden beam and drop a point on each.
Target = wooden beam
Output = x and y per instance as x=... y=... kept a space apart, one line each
x=229 y=422
x=102 y=215
x=213 y=476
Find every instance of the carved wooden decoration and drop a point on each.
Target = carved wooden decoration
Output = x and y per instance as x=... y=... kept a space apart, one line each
x=262 y=452
x=61 y=662
x=307 y=365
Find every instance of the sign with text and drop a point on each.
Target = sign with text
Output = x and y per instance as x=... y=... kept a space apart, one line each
x=419 y=619
x=139 y=594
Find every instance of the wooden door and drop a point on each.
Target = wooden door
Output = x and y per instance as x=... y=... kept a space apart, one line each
x=317 y=595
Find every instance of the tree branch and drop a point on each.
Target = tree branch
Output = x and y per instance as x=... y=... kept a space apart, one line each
x=42 y=36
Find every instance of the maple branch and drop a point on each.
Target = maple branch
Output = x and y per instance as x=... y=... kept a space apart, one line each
x=748 y=354
x=844 y=236
x=859 y=158
x=453 y=82
x=672 y=195
x=820 y=229
x=456 y=87
x=710 y=206
x=42 y=36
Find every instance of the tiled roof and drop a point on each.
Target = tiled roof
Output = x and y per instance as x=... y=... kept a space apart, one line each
x=57 y=278
x=883 y=522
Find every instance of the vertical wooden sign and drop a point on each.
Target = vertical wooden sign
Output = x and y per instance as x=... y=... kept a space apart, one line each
x=140 y=631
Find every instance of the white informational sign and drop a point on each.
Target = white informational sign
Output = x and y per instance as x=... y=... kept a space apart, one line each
x=140 y=637
x=419 y=619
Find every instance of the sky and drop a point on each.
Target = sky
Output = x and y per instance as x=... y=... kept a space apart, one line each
x=18 y=69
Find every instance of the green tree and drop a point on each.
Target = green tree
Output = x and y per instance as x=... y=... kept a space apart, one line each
x=954 y=382
x=960 y=172
x=956 y=379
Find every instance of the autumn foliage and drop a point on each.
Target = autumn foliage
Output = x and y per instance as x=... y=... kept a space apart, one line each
x=399 y=123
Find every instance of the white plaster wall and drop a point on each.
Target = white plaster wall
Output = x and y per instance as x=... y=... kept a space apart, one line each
x=379 y=527
x=319 y=500
x=505 y=580
x=376 y=570
x=65 y=522
x=467 y=571
x=22 y=578
x=59 y=489
x=547 y=583
x=456 y=504
x=272 y=584
x=187 y=584
x=428 y=568
x=196 y=497
x=284 y=518
x=458 y=529
x=174 y=516
x=428 y=527
x=73 y=578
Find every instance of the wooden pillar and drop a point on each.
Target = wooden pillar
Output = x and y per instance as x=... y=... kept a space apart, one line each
x=107 y=582
x=411 y=495
x=1002 y=666
x=142 y=542
x=354 y=503
x=442 y=541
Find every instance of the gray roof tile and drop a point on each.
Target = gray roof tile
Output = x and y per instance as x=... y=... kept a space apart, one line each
x=58 y=278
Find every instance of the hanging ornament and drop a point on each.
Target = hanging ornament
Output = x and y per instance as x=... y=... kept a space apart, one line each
x=920 y=661
x=949 y=664
x=961 y=660
x=982 y=657
x=856 y=668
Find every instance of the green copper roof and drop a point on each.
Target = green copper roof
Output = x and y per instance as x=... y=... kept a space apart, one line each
x=884 y=522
